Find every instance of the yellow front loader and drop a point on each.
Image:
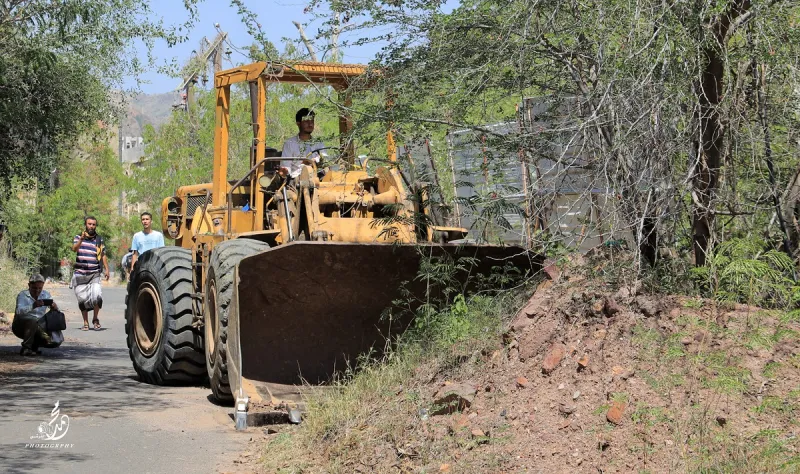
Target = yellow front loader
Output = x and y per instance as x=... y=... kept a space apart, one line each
x=273 y=284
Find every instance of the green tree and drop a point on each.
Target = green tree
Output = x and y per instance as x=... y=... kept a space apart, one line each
x=41 y=225
x=61 y=63
x=655 y=100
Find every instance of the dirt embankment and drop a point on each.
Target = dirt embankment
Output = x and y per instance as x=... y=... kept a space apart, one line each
x=591 y=378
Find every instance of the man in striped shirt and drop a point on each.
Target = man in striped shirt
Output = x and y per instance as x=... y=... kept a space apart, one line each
x=86 y=280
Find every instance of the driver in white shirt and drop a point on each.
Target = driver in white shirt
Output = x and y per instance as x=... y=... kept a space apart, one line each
x=300 y=145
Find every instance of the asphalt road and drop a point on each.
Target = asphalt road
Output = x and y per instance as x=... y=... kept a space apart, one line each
x=116 y=423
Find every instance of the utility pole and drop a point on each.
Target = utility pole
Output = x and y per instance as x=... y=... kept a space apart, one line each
x=309 y=45
x=198 y=65
x=119 y=134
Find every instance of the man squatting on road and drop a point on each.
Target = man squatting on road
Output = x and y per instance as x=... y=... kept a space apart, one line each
x=86 y=280
x=30 y=308
x=147 y=239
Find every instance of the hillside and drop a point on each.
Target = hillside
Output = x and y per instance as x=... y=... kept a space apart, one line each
x=144 y=109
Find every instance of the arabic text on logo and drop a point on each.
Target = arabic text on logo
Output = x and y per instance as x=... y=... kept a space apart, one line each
x=55 y=429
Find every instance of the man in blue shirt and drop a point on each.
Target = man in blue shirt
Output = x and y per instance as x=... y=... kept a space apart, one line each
x=145 y=240
x=31 y=306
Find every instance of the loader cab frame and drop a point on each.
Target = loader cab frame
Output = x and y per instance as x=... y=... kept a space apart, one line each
x=259 y=76
x=229 y=208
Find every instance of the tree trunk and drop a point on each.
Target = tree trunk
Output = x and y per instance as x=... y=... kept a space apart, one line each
x=648 y=245
x=706 y=175
x=791 y=210
x=711 y=134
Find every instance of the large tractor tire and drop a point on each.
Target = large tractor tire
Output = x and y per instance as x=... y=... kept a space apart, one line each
x=163 y=345
x=219 y=293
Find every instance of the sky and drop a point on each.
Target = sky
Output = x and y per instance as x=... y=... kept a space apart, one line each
x=275 y=16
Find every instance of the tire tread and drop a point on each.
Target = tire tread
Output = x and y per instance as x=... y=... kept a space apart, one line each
x=223 y=261
x=180 y=358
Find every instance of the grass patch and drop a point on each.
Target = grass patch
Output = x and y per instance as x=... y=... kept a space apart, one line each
x=694 y=303
x=663 y=385
x=602 y=409
x=727 y=377
x=621 y=397
x=730 y=381
x=687 y=320
x=782 y=333
x=774 y=405
x=12 y=282
x=791 y=316
x=649 y=416
x=771 y=369
x=281 y=459
x=674 y=349
x=758 y=338
x=377 y=408
x=645 y=337
x=649 y=342
x=766 y=451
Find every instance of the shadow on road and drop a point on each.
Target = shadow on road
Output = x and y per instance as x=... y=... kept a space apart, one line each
x=33 y=460
x=86 y=380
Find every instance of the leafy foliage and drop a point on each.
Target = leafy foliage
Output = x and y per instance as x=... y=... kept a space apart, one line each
x=625 y=106
x=747 y=271
x=60 y=65
x=41 y=222
x=13 y=281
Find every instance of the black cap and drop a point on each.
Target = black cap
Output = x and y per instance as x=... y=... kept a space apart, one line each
x=304 y=112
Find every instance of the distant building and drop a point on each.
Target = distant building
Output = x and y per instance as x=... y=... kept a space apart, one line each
x=132 y=149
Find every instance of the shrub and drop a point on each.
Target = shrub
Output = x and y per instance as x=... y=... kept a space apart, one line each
x=747 y=271
x=12 y=282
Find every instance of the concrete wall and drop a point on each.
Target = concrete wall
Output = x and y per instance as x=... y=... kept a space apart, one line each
x=553 y=188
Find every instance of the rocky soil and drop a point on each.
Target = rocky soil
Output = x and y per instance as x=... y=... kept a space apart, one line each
x=589 y=377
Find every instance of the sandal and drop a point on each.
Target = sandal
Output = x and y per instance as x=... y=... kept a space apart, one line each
x=96 y=323
x=85 y=327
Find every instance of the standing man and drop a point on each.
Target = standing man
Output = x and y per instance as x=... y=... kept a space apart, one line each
x=64 y=271
x=126 y=264
x=300 y=145
x=146 y=239
x=31 y=306
x=90 y=252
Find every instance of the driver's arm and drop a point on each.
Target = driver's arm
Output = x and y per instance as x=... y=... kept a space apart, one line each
x=317 y=153
x=288 y=151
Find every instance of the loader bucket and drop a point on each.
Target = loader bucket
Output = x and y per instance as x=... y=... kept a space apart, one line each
x=305 y=310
